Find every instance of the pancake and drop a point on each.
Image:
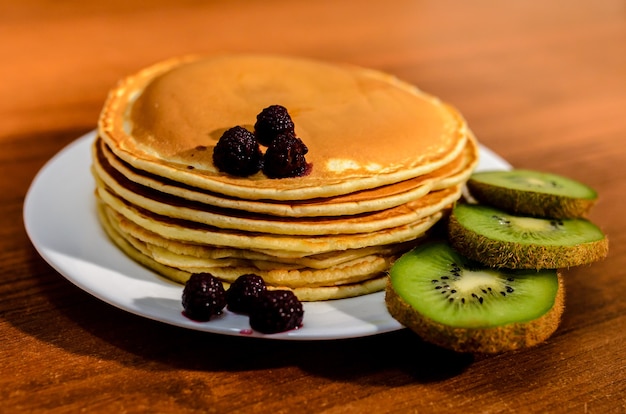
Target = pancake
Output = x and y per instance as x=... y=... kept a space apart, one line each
x=380 y=198
x=174 y=207
x=274 y=274
x=304 y=293
x=192 y=232
x=161 y=247
x=164 y=120
x=180 y=255
x=386 y=163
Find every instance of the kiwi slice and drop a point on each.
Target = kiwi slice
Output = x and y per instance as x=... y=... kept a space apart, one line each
x=533 y=193
x=499 y=239
x=462 y=305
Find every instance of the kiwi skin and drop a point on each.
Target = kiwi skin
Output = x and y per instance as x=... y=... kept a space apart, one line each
x=495 y=253
x=528 y=202
x=495 y=340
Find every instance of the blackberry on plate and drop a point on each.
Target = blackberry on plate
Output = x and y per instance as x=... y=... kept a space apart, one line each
x=203 y=297
x=237 y=152
x=285 y=157
x=243 y=292
x=271 y=122
x=276 y=311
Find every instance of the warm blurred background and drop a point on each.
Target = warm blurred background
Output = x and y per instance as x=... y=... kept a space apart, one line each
x=529 y=52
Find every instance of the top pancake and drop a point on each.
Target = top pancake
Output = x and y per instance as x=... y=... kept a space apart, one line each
x=363 y=128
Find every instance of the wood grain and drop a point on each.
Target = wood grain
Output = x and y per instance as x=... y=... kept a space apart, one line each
x=541 y=83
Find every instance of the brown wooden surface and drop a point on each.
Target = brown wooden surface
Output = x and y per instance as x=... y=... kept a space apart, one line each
x=543 y=83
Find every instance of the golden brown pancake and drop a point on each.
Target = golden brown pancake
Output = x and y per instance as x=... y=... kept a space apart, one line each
x=305 y=293
x=380 y=198
x=387 y=161
x=193 y=232
x=159 y=246
x=363 y=128
x=174 y=207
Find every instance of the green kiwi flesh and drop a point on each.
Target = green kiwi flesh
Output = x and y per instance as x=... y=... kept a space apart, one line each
x=533 y=193
x=499 y=239
x=456 y=303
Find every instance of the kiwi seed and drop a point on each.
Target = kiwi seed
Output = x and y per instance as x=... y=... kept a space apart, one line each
x=532 y=193
x=461 y=305
x=500 y=239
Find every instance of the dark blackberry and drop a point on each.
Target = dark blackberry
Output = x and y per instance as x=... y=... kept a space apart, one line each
x=237 y=152
x=203 y=297
x=285 y=157
x=271 y=122
x=276 y=311
x=243 y=291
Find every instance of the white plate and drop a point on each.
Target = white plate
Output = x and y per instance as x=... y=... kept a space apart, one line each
x=61 y=221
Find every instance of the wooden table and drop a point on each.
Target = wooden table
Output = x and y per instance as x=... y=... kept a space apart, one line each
x=542 y=83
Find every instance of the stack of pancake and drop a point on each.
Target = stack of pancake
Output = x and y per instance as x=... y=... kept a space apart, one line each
x=387 y=162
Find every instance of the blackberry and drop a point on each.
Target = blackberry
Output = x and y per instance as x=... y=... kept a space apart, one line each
x=243 y=292
x=285 y=157
x=271 y=122
x=237 y=152
x=203 y=297
x=276 y=311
